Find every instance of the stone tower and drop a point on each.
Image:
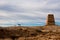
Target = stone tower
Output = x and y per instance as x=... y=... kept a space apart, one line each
x=50 y=20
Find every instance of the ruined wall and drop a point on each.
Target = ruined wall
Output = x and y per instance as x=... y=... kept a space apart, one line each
x=50 y=20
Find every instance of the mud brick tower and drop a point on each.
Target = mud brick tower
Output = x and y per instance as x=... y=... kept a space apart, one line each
x=50 y=20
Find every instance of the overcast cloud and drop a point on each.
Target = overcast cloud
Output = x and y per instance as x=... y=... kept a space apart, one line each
x=28 y=12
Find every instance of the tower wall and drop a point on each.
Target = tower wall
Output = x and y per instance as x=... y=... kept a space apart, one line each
x=50 y=20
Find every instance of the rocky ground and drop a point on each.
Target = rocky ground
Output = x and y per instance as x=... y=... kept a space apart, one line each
x=30 y=33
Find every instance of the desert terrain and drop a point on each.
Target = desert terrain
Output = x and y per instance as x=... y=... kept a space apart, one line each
x=30 y=33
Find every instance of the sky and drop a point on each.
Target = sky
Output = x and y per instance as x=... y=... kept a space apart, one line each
x=28 y=12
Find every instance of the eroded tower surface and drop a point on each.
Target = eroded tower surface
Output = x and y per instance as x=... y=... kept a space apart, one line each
x=50 y=19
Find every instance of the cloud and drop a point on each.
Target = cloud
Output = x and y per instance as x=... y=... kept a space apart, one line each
x=3 y=2
x=28 y=11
